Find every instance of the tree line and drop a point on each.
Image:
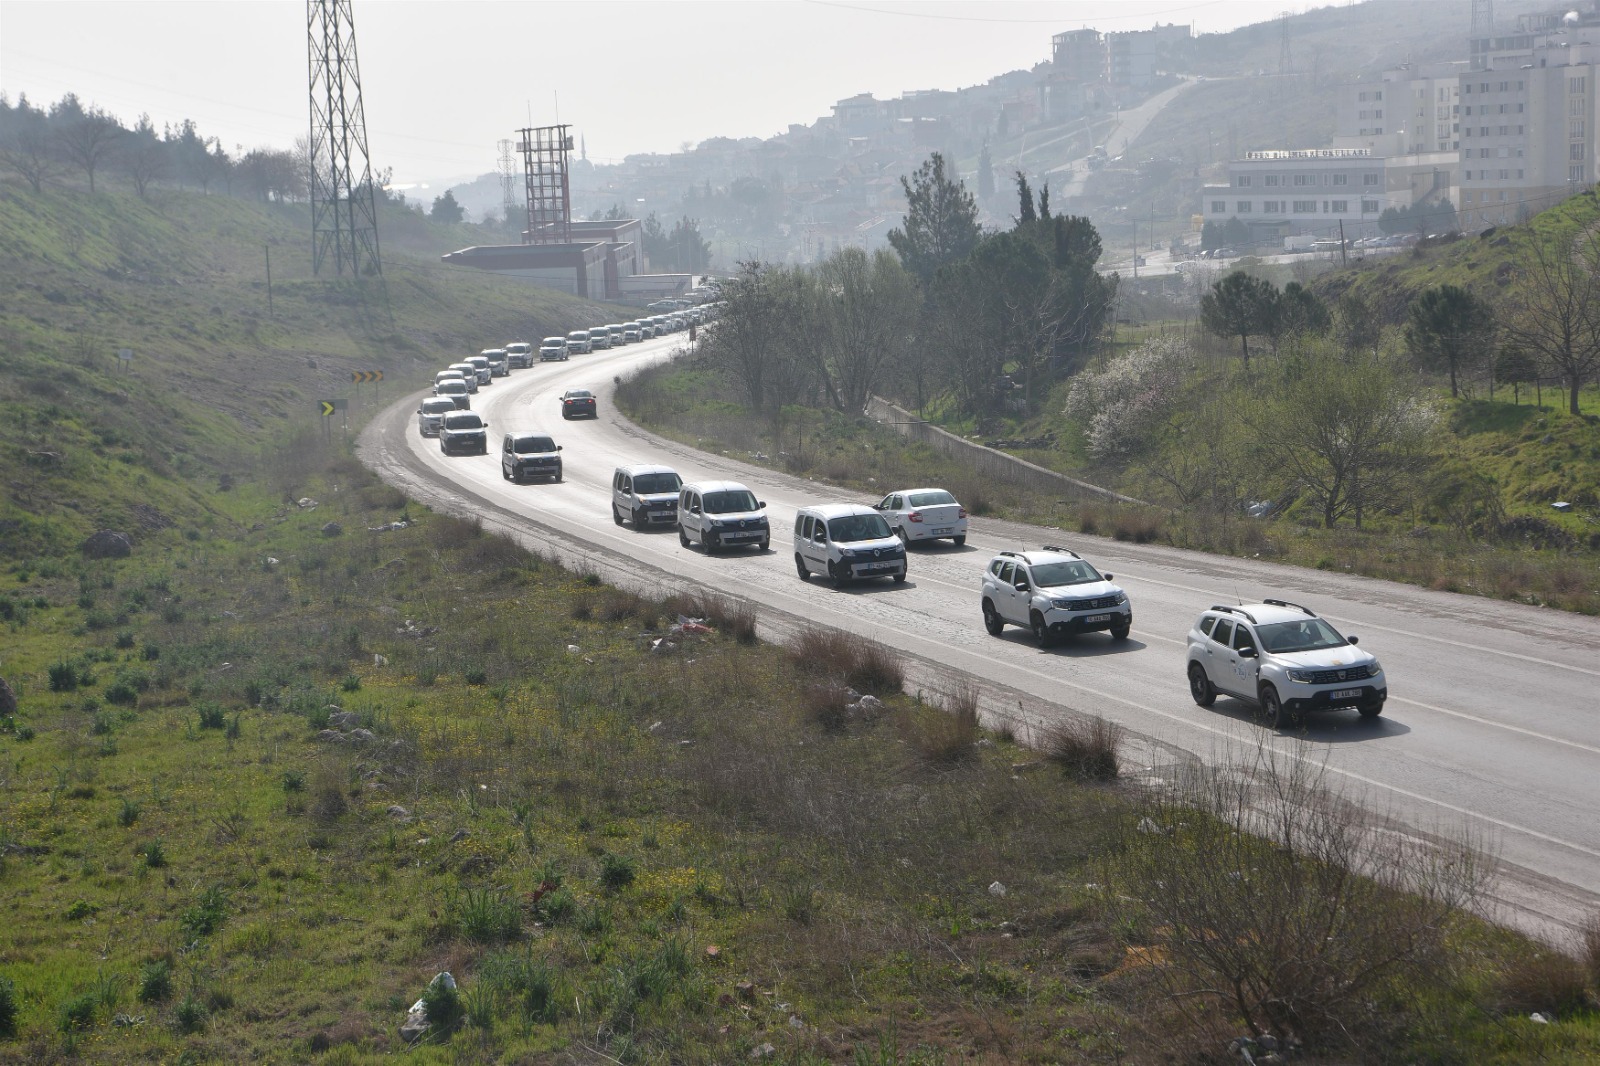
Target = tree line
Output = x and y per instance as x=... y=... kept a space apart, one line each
x=952 y=312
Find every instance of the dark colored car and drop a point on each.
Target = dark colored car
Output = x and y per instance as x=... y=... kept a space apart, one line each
x=464 y=433
x=578 y=403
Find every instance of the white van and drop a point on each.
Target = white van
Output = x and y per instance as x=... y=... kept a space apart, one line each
x=480 y=363
x=578 y=342
x=599 y=338
x=499 y=362
x=645 y=495
x=721 y=514
x=553 y=349
x=519 y=355
x=469 y=374
x=846 y=541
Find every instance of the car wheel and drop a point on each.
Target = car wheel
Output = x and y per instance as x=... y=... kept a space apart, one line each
x=899 y=578
x=765 y=545
x=1041 y=631
x=616 y=515
x=960 y=541
x=557 y=477
x=1200 y=687
x=1272 y=711
x=505 y=473
x=683 y=538
x=992 y=620
x=800 y=568
x=1120 y=633
x=1371 y=708
x=905 y=541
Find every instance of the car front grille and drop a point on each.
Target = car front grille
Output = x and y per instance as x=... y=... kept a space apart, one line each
x=1333 y=677
x=1092 y=605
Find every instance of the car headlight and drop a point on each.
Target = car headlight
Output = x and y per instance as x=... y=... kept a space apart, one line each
x=1061 y=604
x=1119 y=597
x=1373 y=669
x=1301 y=676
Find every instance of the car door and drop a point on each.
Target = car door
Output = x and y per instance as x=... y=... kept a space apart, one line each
x=1215 y=654
x=1006 y=594
x=1246 y=668
x=508 y=457
x=890 y=509
x=816 y=547
x=693 y=521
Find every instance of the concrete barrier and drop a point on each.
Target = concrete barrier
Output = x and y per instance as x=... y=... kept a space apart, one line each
x=990 y=462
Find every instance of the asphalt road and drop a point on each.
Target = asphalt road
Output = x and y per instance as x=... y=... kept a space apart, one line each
x=1492 y=728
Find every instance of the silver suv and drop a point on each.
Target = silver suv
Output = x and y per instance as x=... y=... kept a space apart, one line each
x=1283 y=658
x=1055 y=593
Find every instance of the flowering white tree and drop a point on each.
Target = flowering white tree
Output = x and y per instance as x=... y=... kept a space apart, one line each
x=1123 y=407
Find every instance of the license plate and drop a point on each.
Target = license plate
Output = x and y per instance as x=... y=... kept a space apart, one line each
x=663 y=514
x=877 y=566
x=1344 y=693
x=1098 y=618
x=942 y=530
x=739 y=536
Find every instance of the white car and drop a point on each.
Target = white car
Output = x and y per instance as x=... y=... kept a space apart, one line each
x=432 y=412
x=519 y=355
x=645 y=495
x=1284 y=659
x=469 y=374
x=924 y=514
x=1053 y=592
x=847 y=542
x=721 y=514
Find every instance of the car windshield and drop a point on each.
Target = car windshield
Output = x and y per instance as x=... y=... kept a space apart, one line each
x=533 y=445
x=1076 y=572
x=930 y=499
x=648 y=483
x=730 y=501
x=465 y=420
x=1303 y=634
x=858 y=527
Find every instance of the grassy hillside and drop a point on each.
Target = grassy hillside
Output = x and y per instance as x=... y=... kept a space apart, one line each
x=221 y=367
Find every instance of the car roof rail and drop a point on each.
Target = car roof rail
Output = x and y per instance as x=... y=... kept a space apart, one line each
x=1233 y=610
x=1286 y=603
x=1014 y=555
x=1061 y=550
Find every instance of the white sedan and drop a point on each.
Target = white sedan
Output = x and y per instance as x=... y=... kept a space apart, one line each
x=925 y=514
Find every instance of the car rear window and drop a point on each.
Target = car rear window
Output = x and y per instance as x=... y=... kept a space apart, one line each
x=930 y=499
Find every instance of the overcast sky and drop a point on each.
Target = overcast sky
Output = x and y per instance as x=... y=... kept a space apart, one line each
x=444 y=80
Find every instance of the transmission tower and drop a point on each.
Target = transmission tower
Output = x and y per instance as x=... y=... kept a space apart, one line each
x=544 y=162
x=344 y=212
x=508 y=179
x=1482 y=18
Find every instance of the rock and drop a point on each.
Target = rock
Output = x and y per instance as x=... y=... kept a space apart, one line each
x=713 y=952
x=795 y=1022
x=746 y=990
x=417 y=1018
x=573 y=649
x=460 y=835
x=1537 y=1017
x=331 y=736
x=332 y=529
x=763 y=1052
x=869 y=703
x=997 y=889
x=343 y=719
x=379 y=660
x=8 y=699
x=108 y=544
x=361 y=736
x=305 y=503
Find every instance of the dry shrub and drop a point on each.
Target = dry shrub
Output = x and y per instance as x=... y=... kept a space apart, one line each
x=327 y=792
x=1590 y=953
x=860 y=662
x=619 y=605
x=827 y=703
x=1544 y=981
x=1271 y=902
x=1085 y=748
x=448 y=531
x=1139 y=525
x=942 y=738
x=732 y=617
x=493 y=551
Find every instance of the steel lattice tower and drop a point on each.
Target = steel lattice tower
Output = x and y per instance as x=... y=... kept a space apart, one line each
x=544 y=162
x=344 y=213
x=1482 y=18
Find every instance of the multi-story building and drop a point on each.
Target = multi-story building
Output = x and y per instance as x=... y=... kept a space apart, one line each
x=1134 y=57
x=1079 y=55
x=1311 y=190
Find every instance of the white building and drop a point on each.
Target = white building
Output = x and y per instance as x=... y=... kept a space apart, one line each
x=1311 y=190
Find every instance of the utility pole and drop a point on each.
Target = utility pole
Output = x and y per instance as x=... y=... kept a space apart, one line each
x=344 y=212
x=1344 y=255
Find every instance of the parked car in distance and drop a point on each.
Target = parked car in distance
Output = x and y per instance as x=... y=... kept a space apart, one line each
x=721 y=514
x=845 y=542
x=480 y=363
x=469 y=374
x=456 y=390
x=645 y=495
x=924 y=514
x=499 y=364
x=431 y=413
x=525 y=455
x=578 y=403
x=578 y=342
x=463 y=433
x=1284 y=659
x=632 y=332
x=1053 y=592
x=553 y=349
x=519 y=355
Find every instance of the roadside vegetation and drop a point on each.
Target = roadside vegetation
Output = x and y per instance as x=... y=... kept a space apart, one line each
x=308 y=745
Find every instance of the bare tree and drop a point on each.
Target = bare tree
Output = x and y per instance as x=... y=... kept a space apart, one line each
x=868 y=310
x=1555 y=314
x=30 y=152
x=90 y=139
x=145 y=157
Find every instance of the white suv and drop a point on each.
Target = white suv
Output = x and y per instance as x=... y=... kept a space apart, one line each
x=1283 y=658
x=1053 y=592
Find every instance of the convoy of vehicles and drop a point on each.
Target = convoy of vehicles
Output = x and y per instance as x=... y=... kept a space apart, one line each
x=1276 y=655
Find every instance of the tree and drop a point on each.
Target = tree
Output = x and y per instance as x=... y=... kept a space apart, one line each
x=446 y=210
x=1515 y=367
x=1025 y=211
x=1299 y=313
x=1240 y=306
x=1555 y=309
x=870 y=305
x=1448 y=326
x=28 y=148
x=1352 y=441
x=89 y=137
x=688 y=252
x=985 y=173
x=145 y=156
x=1210 y=235
x=941 y=223
x=1356 y=322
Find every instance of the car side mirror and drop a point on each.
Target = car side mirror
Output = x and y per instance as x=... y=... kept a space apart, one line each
x=1353 y=639
x=761 y=505
x=1022 y=586
x=1248 y=653
x=1108 y=577
x=558 y=447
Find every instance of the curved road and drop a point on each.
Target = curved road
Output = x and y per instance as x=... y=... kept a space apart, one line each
x=1490 y=730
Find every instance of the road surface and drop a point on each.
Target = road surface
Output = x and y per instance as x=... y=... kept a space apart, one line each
x=1490 y=729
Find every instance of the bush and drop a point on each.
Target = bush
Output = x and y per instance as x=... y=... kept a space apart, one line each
x=946 y=737
x=1543 y=981
x=864 y=664
x=1590 y=950
x=617 y=871
x=1085 y=748
x=155 y=856
x=189 y=1015
x=76 y=1013
x=442 y=1003
x=207 y=914
x=155 y=981
x=64 y=677
x=211 y=716
x=128 y=814
x=8 y=1007
x=531 y=982
x=484 y=916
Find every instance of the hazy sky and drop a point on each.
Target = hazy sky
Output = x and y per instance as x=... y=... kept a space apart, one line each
x=442 y=82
